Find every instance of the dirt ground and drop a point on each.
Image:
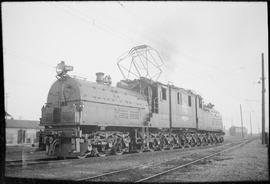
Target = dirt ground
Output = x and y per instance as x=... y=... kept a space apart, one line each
x=23 y=151
x=247 y=163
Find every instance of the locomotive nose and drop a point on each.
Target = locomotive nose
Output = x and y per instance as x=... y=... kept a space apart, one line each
x=62 y=102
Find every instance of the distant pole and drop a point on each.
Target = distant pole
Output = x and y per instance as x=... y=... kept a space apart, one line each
x=170 y=107
x=250 y=124
x=241 y=120
x=263 y=103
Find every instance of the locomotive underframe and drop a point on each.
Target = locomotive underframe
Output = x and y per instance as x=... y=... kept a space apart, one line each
x=83 y=141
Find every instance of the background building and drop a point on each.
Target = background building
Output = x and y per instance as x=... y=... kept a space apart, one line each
x=22 y=131
x=237 y=131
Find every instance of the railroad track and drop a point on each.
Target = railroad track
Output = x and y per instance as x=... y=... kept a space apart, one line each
x=142 y=173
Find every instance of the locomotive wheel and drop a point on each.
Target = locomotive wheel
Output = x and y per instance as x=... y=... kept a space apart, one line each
x=119 y=152
x=84 y=155
x=192 y=143
x=221 y=139
x=205 y=141
x=140 y=149
x=119 y=149
x=172 y=146
x=198 y=142
x=212 y=141
x=181 y=144
x=152 y=147
x=187 y=145
x=102 y=154
x=209 y=141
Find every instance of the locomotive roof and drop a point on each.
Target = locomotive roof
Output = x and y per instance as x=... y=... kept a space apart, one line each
x=166 y=85
x=189 y=91
x=84 y=81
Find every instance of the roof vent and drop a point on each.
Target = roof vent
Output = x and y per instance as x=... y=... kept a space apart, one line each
x=100 y=78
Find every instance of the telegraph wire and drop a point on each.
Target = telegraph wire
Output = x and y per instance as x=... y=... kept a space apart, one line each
x=96 y=23
x=25 y=58
x=113 y=31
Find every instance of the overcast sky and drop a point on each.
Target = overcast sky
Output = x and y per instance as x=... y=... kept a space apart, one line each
x=213 y=48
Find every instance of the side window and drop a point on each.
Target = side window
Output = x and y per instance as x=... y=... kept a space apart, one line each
x=189 y=100
x=163 y=91
x=179 y=98
x=200 y=103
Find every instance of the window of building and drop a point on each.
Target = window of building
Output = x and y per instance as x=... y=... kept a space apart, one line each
x=163 y=91
x=189 y=100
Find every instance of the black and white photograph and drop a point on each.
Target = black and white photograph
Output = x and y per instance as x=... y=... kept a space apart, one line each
x=135 y=91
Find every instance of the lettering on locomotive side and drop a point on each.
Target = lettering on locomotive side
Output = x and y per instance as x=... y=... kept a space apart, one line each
x=125 y=114
x=133 y=115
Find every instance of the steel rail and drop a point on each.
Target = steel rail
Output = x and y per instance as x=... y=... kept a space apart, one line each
x=190 y=163
x=105 y=174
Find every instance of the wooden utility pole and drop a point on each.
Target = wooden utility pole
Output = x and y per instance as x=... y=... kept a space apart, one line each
x=250 y=124
x=241 y=121
x=263 y=103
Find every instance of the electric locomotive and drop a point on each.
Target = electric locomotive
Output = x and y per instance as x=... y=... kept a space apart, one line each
x=84 y=118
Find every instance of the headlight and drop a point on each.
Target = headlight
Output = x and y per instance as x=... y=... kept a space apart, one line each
x=62 y=68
